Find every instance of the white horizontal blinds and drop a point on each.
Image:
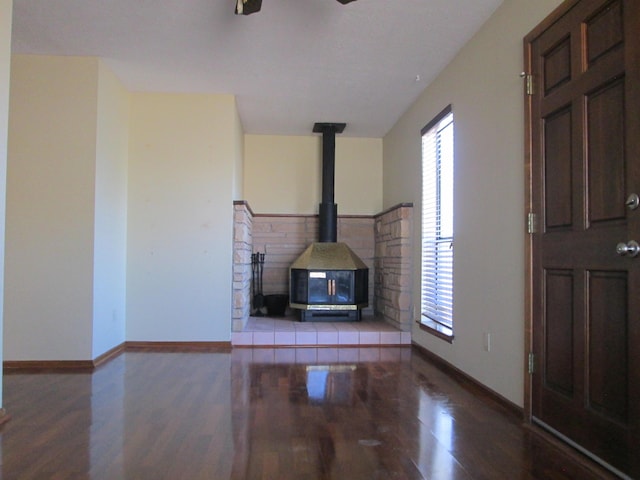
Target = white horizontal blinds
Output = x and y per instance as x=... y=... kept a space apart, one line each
x=437 y=222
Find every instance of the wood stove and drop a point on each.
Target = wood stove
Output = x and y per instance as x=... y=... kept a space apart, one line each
x=328 y=281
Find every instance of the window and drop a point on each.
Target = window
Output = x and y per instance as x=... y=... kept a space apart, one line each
x=437 y=225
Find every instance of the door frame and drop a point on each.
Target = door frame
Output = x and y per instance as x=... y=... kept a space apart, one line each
x=558 y=12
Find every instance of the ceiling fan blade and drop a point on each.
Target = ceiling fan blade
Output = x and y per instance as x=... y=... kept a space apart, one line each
x=247 y=7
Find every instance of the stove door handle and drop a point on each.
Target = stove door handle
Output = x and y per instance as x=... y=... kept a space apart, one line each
x=332 y=287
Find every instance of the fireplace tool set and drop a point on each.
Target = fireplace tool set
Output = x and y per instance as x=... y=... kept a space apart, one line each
x=257 y=265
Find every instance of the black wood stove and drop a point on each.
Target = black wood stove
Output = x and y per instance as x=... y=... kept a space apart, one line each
x=329 y=281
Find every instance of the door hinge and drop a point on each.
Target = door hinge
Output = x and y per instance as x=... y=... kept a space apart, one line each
x=532 y=363
x=528 y=78
x=532 y=223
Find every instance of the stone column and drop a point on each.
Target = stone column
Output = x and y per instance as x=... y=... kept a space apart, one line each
x=393 y=282
x=242 y=249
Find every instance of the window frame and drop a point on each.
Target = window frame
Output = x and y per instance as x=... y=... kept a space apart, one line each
x=441 y=326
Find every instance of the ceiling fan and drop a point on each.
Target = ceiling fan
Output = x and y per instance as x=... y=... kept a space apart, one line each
x=247 y=7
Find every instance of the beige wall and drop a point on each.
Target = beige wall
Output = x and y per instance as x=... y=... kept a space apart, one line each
x=483 y=85
x=50 y=208
x=182 y=156
x=283 y=174
x=119 y=222
x=238 y=164
x=5 y=66
x=110 y=247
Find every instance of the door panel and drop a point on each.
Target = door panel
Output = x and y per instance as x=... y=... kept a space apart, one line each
x=558 y=370
x=558 y=205
x=557 y=65
x=604 y=31
x=585 y=161
x=606 y=159
x=608 y=372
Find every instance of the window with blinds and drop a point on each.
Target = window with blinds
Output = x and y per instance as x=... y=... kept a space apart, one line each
x=437 y=224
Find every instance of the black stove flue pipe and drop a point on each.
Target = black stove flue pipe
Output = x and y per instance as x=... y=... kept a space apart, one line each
x=328 y=211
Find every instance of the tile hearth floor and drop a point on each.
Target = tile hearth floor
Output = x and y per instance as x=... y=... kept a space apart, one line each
x=288 y=331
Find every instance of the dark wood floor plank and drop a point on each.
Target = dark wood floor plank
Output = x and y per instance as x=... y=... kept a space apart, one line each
x=265 y=414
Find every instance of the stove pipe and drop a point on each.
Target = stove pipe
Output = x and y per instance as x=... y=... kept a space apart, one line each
x=328 y=210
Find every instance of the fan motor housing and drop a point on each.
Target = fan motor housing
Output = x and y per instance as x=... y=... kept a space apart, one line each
x=249 y=7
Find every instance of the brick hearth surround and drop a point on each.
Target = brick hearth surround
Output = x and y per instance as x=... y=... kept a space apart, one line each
x=382 y=241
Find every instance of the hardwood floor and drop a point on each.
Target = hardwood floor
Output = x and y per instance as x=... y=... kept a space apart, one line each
x=350 y=413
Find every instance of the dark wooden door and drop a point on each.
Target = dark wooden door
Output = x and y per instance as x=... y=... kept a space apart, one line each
x=585 y=163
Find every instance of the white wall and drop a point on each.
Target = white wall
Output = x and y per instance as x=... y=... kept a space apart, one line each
x=5 y=67
x=110 y=245
x=483 y=85
x=182 y=154
x=283 y=174
x=50 y=208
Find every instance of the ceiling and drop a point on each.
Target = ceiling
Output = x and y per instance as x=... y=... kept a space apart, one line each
x=294 y=63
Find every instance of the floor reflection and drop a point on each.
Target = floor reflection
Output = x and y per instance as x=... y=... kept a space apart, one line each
x=354 y=413
x=333 y=383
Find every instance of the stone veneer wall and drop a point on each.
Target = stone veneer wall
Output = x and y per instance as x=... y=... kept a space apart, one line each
x=383 y=242
x=242 y=249
x=393 y=265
